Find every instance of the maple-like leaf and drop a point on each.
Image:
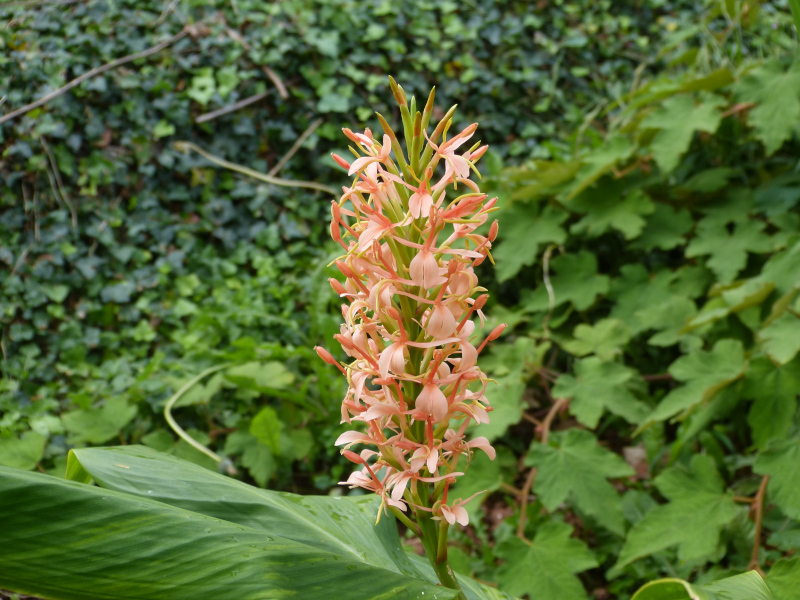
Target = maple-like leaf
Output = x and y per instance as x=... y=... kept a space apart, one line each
x=781 y=461
x=781 y=338
x=774 y=390
x=572 y=465
x=607 y=206
x=783 y=578
x=524 y=229
x=605 y=339
x=704 y=374
x=697 y=511
x=776 y=94
x=545 y=568
x=665 y=228
x=598 y=386
x=677 y=119
x=727 y=250
x=574 y=279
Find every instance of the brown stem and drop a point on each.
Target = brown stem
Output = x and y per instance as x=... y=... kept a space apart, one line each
x=526 y=489
x=657 y=377
x=758 y=507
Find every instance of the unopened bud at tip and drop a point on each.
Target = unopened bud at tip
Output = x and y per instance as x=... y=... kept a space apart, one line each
x=325 y=355
x=497 y=332
x=340 y=161
x=493 y=231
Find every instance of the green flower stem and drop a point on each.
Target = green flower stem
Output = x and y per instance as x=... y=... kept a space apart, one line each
x=432 y=541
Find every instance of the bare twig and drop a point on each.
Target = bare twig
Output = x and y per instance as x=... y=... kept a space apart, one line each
x=658 y=377
x=758 y=508
x=94 y=72
x=233 y=107
x=186 y=146
x=295 y=147
x=170 y=7
x=276 y=81
x=526 y=489
x=60 y=184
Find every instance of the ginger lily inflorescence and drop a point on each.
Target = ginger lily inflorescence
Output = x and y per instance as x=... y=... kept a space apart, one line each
x=409 y=225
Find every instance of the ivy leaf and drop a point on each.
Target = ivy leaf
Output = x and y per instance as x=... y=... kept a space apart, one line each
x=774 y=390
x=605 y=339
x=781 y=461
x=698 y=509
x=781 y=338
x=704 y=374
x=524 y=229
x=607 y=206
x=545 y=568
x=203 y=86
x=728 y=250
x=665 y=228
x=98 y=425
x=677 y=119
x=783 y=578
x=598 y=386
x=776 y=95
x=575 y=280
x=573 y=465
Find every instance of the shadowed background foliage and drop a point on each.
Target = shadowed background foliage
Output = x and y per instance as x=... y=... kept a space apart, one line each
x=645 y=160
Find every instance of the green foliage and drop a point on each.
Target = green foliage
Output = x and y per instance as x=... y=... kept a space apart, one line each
x=545 y=567
x=573 y=465
x=658 y=204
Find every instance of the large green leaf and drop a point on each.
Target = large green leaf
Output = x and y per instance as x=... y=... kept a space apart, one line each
x=747 y=586
x=781 y=461
x=66 y=540
x=545 y=568
x=344 y=526
x=783 y=578
x=598 y=386
x=572 y=465
x=699 y=508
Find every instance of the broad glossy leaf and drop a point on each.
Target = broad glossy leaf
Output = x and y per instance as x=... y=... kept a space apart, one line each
x=698 y=509
x=344 y=526
x=67 y=540
x=747 y=586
